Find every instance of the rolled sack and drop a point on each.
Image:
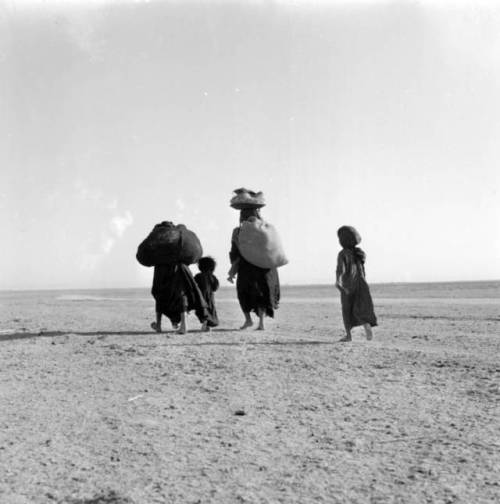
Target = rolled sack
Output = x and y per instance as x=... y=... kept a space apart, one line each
x=260 y=244
x=169 y=244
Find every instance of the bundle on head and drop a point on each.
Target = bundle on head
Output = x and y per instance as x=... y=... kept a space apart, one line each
x=245 y=198
x=207 y=264
x=169 y=244
x=348 y=236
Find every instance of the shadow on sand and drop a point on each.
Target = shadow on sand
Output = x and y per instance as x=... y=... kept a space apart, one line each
x=249 y=343
x=102 y=334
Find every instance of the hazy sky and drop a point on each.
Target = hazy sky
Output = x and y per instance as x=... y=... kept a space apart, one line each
x=117 y=115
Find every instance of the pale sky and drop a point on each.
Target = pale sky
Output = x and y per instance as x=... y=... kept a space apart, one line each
x=117 y=115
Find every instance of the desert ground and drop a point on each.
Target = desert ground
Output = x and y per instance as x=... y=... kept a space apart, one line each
x=96 y=408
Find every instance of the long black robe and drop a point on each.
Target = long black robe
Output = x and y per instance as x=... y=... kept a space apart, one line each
x=208 y=284
x=355 y=297
x=257 y=288
x=175 y=291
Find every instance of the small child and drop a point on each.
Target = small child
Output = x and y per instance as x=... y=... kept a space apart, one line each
x=355 y=297
x=208 y=284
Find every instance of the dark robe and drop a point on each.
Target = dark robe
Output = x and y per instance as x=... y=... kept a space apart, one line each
x=355 y=297
x=208 y=284
x=175 y=291
x=257 y=288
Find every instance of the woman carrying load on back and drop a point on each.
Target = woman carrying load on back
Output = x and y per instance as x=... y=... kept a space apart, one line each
x=258 y=288
x=176 y=293
x=170 y=249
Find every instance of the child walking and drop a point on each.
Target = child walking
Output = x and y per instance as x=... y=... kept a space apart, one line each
x=208 y=284
x=355 y=297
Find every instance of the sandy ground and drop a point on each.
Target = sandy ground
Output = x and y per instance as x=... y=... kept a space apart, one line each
x=94 y=408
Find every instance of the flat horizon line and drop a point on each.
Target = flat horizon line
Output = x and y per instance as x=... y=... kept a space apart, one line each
x=372 y=284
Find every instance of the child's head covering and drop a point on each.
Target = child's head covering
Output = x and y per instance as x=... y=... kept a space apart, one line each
x=348 y=237
x=207 y=264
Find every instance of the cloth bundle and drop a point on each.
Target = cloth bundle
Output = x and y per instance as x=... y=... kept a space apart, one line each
x=260 y=244
x=244 y=198
x=169 y=244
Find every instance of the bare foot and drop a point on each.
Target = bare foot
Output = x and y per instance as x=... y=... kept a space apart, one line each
x=204 y=327
x=260 y=328
x=345 y=339
x=175 y=326
x=246 y=325
x=182 y=330
x=155 y=327
x=369 y=336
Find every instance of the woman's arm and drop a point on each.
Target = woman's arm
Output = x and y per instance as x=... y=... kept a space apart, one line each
x=339 y=271
x=234 y=256
x=234 y=253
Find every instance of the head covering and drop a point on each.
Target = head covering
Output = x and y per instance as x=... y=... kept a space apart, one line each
x=246 y=213
x=348 y=237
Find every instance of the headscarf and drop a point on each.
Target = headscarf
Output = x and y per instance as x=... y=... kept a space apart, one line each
x=207 y=264
x=246 y=213
x=348 y=237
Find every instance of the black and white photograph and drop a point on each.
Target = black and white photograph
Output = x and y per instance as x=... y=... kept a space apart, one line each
x=251 y=252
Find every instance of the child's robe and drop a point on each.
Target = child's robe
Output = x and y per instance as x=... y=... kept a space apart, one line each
x=208 y=284
x=355 y=297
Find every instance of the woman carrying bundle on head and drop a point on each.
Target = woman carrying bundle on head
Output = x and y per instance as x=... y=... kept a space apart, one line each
x=255 y=255
x=355 y=297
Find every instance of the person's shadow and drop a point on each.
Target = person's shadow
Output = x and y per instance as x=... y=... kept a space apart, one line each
x=103 y=334
x=26 y=334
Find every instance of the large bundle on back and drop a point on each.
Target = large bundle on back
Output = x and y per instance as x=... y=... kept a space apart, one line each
x=260 y=245
x=169 y=244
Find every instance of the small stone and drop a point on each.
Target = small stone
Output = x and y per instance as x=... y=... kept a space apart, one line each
x=240 y=412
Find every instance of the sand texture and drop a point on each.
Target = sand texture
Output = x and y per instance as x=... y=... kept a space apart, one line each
x=95 y=408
